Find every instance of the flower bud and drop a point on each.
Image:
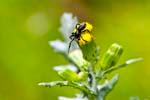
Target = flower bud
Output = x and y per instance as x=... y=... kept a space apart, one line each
x=82 y=76
x=111 y=57
x=69 y=75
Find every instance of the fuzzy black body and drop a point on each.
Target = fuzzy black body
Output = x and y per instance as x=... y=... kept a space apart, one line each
x=76 y=34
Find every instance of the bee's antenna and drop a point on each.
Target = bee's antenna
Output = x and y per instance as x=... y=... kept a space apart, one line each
x=70 y=44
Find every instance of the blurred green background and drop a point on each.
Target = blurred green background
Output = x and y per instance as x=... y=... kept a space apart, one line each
x=26 y=26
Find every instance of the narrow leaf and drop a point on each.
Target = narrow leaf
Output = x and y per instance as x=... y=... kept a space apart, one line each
x=104 y=89
x=54 y=83
x=123 y=65
x=76 y=85
x=69 y=66
x=78 y=97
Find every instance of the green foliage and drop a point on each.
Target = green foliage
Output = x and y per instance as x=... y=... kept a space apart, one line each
x=82 y=73
x=106 y=87
x=77 y=58
x=136 y=98
x=111 y=57
x=89 y=51
x=69 y=75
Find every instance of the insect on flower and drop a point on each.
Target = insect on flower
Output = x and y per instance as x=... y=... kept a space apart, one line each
x=81 y=34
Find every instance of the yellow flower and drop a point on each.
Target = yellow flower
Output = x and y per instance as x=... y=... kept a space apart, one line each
x=82 y=35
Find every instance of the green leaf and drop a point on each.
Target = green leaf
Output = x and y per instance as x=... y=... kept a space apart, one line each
x=69 y=66
x=54 y=83
x=68 y=74
x=89 y=51
x=77 y=57
x=122 y=65
x=133 y=60
x=78 y=97
x=136 y=98
x=104 y=89
x=76 y=85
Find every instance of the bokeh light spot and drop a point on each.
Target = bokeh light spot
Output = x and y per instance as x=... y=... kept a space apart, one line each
x=38 y=24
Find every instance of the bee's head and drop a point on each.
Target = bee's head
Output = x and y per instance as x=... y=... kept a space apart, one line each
x=84 y=26
x=80 y=27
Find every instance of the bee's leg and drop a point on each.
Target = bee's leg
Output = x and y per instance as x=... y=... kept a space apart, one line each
x=71 y=37
x=83 y=39
x=70 y=44
x=86 y=30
